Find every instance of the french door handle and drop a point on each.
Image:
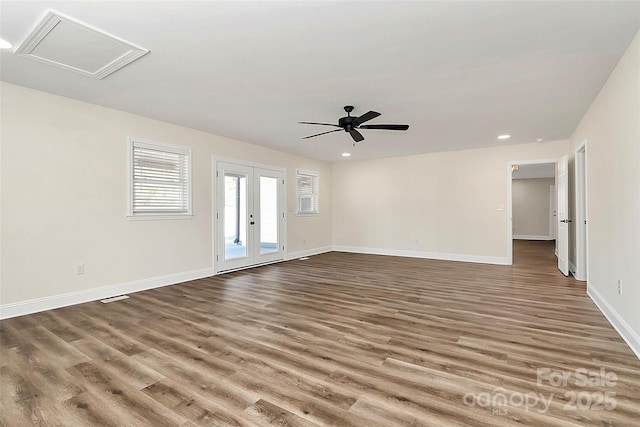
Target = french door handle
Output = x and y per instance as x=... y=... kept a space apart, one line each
x=565 y=220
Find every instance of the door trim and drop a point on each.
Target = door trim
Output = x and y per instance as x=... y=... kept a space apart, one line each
x=214 y=191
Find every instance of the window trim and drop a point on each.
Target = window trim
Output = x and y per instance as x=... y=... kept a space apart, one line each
x=315 y=175
x=160 y=146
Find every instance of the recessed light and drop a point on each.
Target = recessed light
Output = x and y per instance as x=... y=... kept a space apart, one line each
x=5 y=44
x=504 y=137
x=346 y=154
x=539 y=139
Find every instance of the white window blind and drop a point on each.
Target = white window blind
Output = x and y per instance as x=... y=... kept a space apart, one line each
x=308 y=192
x=160 y=179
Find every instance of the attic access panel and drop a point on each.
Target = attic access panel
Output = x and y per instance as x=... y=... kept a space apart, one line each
x=72 y=45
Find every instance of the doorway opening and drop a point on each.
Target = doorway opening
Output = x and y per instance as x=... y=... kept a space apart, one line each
x=532 y=205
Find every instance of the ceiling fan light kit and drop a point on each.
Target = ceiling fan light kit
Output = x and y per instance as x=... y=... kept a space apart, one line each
x=351 y=125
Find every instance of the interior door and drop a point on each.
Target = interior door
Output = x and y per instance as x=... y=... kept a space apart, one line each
x=249 y=216
x=562 y=238
x=553 y=212
x=581 y=212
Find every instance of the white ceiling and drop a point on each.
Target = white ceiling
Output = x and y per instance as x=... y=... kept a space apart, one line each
x=459 y=73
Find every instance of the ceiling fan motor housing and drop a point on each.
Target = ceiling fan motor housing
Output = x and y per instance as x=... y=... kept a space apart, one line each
x=347 y=122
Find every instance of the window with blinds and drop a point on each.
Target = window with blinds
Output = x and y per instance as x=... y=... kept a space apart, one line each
x=308 y=192
x=160 y=180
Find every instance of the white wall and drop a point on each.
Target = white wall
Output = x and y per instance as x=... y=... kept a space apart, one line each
x=531 y=204
x=64 y=198
x=442 y=205
x=611 y=128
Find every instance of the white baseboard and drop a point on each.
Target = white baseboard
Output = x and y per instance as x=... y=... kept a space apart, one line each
x=530 y=237
x=308 y=252
x=619 y=324
x=79 y=297
x=428 y=255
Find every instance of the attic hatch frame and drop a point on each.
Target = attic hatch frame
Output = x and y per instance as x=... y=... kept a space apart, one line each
x=53 y=18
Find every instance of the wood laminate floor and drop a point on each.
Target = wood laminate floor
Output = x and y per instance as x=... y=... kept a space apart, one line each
x=339 y=339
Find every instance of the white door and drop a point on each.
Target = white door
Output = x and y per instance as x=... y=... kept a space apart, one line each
x=249 y=216
x=553 y=214
x=581 y=212
x=268 y=215
x=562 y=238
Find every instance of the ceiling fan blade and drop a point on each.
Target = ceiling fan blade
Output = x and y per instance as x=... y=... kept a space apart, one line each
x=385 y=127
x=365 y=118
x=357 y=136
x=323 y=124
x=318 y=134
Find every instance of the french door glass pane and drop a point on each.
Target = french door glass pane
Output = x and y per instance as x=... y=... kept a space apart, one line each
x=268 y=215
x=235 y=215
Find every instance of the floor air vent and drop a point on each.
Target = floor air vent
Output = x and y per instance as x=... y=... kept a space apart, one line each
x=114 y=299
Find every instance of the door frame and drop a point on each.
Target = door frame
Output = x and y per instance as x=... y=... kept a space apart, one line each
x=509 y=206
x=581 y=224
x=214 y=191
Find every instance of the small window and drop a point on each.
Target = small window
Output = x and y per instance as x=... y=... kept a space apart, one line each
x=308 y=192
x=159 y=180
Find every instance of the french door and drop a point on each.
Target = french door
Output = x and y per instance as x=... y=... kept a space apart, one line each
x=249 y=216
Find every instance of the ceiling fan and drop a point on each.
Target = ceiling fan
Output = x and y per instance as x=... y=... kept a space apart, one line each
x=352 y=124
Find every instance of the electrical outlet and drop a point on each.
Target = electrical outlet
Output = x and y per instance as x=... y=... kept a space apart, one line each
x=79 y=269
x=619 y=287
